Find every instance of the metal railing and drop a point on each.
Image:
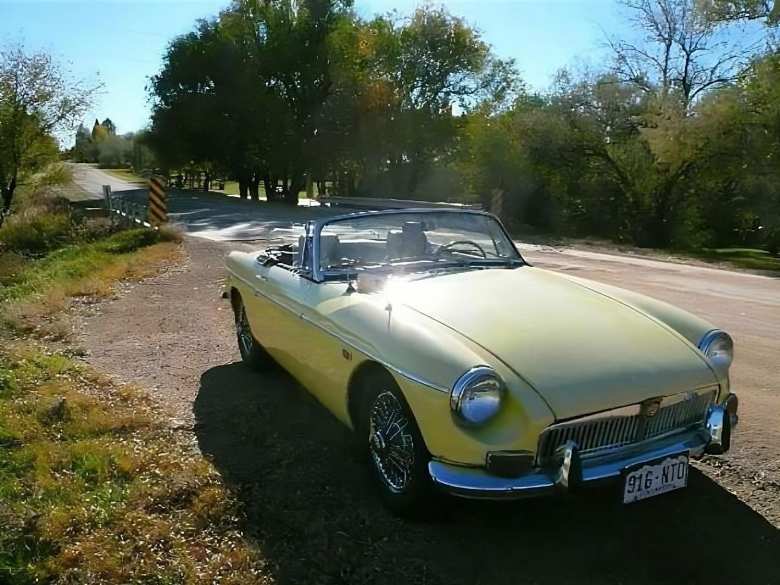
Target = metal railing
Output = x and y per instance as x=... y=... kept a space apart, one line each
x=125 y=210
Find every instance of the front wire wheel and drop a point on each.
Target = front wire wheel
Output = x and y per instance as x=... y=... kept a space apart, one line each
x=397 y=454
x=391 y=443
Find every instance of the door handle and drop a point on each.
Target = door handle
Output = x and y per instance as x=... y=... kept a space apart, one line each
x=262 y=277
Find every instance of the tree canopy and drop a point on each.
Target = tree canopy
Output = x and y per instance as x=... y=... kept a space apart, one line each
x=673 y=142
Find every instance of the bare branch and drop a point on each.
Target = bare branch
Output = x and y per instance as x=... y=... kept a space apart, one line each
x=682 y=53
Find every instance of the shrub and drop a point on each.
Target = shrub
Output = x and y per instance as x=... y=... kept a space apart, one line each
x=35 y=231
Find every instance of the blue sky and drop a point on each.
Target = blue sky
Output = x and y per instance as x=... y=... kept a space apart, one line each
x=123 y=41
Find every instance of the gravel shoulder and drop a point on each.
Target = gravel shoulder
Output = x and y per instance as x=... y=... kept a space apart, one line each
x=308 y=500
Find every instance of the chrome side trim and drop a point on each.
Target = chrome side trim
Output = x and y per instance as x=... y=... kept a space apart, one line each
x=400 y=371
x=349 y=343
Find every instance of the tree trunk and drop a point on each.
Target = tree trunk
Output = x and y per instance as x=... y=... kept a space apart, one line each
x=207 y=181
x=243 y=185
x=294 y=187
x=267 y=187
x=254 y=187
x=243 y=189
x=8 y=194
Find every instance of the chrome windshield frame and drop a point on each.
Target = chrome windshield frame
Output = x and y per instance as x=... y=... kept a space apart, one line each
x=314 y=229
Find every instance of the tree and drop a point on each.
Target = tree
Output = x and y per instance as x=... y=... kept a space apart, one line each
x=245 y=92
x=401 y=79
x=421 y=70
x=37 y=99
x=735 y=10
x=280 y=91
x=741 y=126
x=681 y=55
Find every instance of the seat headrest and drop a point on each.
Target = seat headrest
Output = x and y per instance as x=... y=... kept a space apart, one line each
x=329 y=250
x=412 y=227
x=410 y=242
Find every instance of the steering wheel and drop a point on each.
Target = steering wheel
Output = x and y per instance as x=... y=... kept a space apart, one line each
x=455 y=243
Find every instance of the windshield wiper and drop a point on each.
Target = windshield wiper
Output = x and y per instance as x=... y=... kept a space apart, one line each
x=507 y=262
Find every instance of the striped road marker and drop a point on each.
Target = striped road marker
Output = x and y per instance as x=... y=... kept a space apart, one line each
x=158 y=207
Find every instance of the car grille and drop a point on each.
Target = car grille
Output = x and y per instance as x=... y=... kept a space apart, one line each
x=622 y=427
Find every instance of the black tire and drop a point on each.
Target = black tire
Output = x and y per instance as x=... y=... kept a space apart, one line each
x=252 y=353
x=397 y=455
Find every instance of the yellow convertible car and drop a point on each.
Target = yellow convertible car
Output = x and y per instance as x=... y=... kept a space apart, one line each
x=464 y=369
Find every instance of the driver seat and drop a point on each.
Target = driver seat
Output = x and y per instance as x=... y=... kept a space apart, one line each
x=409 y=242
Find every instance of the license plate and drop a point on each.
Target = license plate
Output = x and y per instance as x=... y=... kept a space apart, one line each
x=655 y=478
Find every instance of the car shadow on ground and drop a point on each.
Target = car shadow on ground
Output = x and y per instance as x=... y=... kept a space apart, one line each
x=313 y=515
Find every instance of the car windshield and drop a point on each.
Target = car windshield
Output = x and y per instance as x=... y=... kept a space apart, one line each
x=410 y=239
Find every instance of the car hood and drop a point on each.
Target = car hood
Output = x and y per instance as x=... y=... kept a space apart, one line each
x=581 y=350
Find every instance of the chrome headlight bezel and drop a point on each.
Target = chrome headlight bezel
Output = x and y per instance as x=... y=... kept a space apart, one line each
x=718 y=347
x=477 y=395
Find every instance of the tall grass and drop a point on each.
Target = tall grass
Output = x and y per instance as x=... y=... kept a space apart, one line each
x=41 y=222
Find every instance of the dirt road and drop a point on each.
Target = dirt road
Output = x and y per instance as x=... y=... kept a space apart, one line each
x=309 y=503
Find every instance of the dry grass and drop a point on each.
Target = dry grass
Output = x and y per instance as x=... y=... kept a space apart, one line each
x=37 y=292
x=93 y=488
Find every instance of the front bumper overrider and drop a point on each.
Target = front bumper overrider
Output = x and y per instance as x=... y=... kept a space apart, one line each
x=571 y=472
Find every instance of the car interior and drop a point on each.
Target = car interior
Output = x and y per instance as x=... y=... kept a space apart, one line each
x=408 y=242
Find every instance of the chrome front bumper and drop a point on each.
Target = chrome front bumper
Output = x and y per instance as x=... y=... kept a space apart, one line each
x=473 y=482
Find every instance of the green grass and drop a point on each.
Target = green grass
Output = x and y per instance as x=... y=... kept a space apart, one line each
x=231 y=188
x=94 y=489
x=125 y=175
x=749 y=258
x=74 y=263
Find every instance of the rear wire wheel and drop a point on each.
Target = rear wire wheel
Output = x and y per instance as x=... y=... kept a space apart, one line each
x=396 y=452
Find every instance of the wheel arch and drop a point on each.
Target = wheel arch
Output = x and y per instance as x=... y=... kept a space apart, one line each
x=235 y=298
x=365 y=371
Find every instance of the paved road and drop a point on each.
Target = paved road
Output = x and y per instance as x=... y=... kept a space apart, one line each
x=92 y=179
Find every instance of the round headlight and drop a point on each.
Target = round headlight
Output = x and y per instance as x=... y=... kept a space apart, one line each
x=476 y=396
x=719 y=348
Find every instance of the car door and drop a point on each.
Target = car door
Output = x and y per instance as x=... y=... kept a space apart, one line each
x=286 y=320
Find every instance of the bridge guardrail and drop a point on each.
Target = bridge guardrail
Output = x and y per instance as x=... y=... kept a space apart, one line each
x=123 y=209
